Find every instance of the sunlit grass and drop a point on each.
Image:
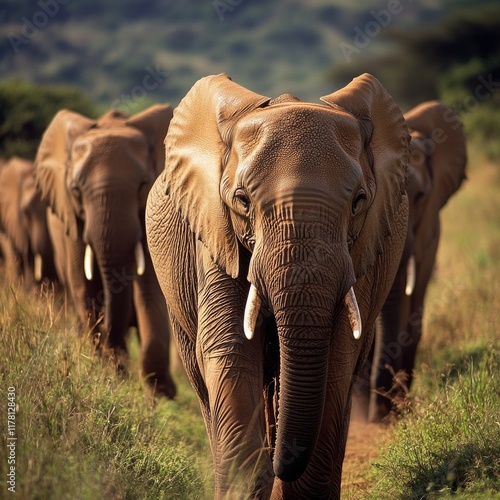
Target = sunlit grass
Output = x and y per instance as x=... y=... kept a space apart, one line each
x=447 y=441
x=83 y=430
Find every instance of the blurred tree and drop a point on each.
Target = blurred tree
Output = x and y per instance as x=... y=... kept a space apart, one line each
x=26 y=109
x=442 y=61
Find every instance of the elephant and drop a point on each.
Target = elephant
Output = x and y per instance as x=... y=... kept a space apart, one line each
x=26 y=244
x=436 y=170
x=276 y=229
x=95 y=176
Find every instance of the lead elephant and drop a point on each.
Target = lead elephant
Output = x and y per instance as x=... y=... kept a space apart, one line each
x=26 y=243
x=436 y=171
x=270 y=219
x=95 y=176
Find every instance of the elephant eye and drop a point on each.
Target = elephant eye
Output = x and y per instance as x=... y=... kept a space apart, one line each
x=242 y=200
x=77 y=193
x=358 y=201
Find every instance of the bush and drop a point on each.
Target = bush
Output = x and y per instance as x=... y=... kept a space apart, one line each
x=26 y=110
x=450 y=442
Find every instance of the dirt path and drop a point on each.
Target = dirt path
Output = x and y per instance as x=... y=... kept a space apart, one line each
x=363 y=443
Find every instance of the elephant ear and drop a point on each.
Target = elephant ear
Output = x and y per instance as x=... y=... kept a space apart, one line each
x=386 y=141
x=195 y=148
x=52 y=161
x=153 y=123
x=445 y=146
x=441 y=140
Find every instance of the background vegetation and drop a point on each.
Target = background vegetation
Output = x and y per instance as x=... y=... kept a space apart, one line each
x=130 y=55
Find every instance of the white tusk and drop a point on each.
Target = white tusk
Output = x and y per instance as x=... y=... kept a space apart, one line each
x=411 y=275
x=88 y=263
x=252 y=309
x=139 y=259
x=38 y=265
x=353 y=313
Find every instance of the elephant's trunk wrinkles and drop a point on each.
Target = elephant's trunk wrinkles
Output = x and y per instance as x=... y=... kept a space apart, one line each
x=311 y=277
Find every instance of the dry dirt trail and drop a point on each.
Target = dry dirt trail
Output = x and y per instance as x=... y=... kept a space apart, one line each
x=363 y=443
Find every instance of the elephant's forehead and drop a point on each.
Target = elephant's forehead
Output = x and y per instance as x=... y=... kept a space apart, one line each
x=291 y=146
x=307 y=130
x=114 y=144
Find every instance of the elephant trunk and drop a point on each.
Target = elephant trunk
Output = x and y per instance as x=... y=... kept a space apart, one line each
x=306 y=286
x=302 y=389
x=117 y=287
x=112 y=237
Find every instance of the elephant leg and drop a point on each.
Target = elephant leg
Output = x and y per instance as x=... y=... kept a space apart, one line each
x=232 y=368
x=10 y=258
x=154 y=331
x=388 y=352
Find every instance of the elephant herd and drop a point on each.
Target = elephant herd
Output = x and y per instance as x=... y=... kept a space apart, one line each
x=285 y=245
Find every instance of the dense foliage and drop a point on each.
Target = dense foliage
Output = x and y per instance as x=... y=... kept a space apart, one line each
x=27 y=109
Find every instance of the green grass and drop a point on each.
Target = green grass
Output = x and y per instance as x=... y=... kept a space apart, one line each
x=447 y=441
x=82 y=430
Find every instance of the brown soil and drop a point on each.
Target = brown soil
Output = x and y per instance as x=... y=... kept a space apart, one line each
x=363 y=443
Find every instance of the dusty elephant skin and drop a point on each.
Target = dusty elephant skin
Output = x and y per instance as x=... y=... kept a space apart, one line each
x=26 y=245
x=300 y=207
x=435 y=172
x=95 y=176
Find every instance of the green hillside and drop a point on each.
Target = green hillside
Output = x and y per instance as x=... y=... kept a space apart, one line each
x=110 y=49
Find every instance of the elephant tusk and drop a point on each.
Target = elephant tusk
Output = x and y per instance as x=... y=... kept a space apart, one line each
x=252 y=309
x=88 y=263
x=38 y=267
x=353 y=313
x=139 y=259
x=411 y=275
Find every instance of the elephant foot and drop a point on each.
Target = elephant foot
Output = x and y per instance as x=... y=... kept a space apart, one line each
x=162 y=387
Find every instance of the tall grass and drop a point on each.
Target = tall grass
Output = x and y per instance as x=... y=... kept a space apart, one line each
x=83 y=431
x=447 y=441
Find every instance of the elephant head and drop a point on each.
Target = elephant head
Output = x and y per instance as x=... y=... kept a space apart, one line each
x=23 y=216
x=436 y=171
x=301 y=207
x=95 y=176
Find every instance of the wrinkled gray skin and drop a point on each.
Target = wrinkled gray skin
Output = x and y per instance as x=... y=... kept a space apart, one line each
x=294 y=204
x=95 y=176
x=26 y=245
x=435 y=172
